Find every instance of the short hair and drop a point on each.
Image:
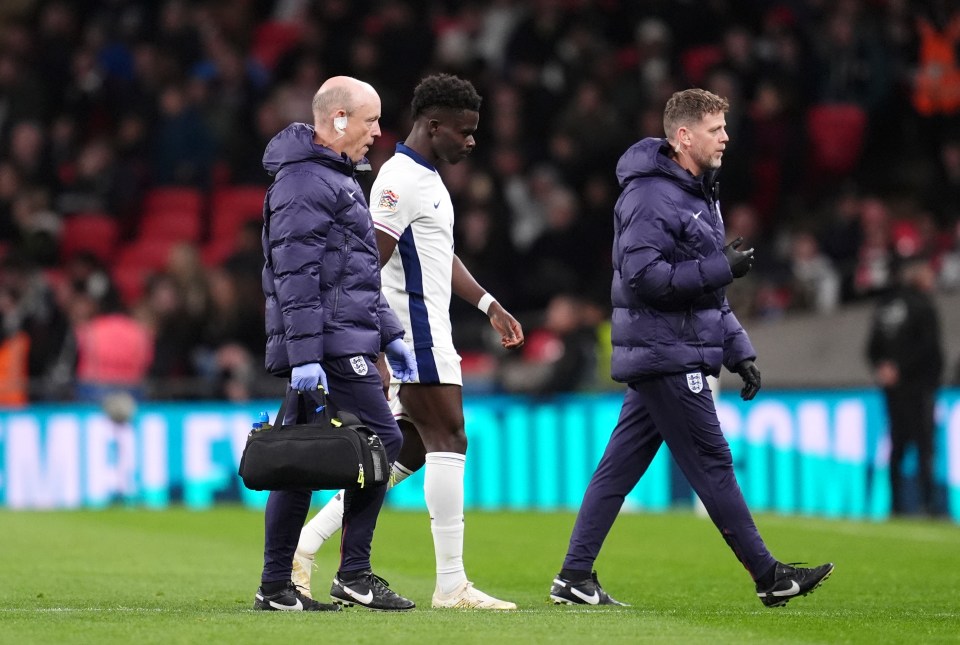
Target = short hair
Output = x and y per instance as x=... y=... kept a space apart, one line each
x=333 y=98
x=444 y=91
x=687 y=107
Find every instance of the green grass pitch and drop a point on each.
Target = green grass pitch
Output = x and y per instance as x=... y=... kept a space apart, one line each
x=179 y=576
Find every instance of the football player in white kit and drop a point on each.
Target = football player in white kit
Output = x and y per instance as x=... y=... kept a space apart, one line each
x=413 y=218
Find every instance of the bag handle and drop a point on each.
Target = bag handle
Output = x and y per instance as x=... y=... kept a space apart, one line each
x=313 y=406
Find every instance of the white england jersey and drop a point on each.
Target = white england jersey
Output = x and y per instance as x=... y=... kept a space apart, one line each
x=409 y=202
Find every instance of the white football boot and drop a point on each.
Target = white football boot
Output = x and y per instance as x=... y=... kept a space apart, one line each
x=466 y=596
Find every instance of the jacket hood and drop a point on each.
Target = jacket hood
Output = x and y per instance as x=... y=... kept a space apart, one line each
x=295 y=144
x=649 y=158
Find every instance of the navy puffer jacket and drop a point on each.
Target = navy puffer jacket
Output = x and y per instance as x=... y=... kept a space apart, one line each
x=670 y=311
x=321 y=275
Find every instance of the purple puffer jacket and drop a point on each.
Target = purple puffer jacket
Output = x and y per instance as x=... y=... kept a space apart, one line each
x=670 y=314
x=321 y=277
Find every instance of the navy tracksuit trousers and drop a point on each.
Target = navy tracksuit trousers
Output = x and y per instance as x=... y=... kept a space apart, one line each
x=286 y=511
x=654 y=411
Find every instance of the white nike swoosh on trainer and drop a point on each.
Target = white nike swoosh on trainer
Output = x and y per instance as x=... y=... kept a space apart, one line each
x=298 y=606
x=697 y=215
x=792 y=591
x=351 y=192
x=590 y=600
x=365 y=599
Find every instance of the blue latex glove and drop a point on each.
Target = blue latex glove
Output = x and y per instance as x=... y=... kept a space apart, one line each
x=403 y=363
x=307 y=378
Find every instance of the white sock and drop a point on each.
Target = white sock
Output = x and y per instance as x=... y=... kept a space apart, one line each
x=443 y=491
x=329 y=519
x=321 y=526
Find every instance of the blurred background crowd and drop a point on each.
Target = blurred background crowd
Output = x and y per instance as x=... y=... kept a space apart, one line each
x=131 y=133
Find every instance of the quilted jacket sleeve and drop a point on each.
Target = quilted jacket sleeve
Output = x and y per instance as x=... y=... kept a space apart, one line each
x=657 y=271
x=301 y=218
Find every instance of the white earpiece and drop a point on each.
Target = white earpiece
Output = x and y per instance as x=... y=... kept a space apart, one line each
x=340 y=124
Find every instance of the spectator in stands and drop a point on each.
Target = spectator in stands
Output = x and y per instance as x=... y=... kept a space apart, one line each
x=10 y=186
x=816 y=284
x=841 y=236
x=547 y=266
x=772 y=130
x=190 y=276
x=94 y=183
x=598 y=197
x=528 y=197
x=183 y=147
x=28 y=152
x=906 y=353
x=740 y=58
x=38 y=226
x=225 y=89
x=32 y=321
x=950 y=265
x=593 y=125
x=21 y=90
x=131 y=171
x=484 y=248
x=114 y=350
x=14 y=350
x=239 y=153
x=559 y=355
x=853 y=65
x=84 y=272
x=742 y=220
x=943 y=188
x=229 y=355
x=872 y=274
x=164 y=312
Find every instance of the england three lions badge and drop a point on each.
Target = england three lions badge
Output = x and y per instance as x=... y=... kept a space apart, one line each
x=359 y=365
x=695 y=382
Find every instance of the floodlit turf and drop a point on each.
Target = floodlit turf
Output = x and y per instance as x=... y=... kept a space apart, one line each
x=177 y=576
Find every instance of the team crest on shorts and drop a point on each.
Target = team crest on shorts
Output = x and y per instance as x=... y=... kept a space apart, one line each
x=359 y=365
x=695 y=382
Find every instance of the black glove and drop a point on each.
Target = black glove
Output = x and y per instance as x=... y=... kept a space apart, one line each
x=739 y=261
x=750 y=374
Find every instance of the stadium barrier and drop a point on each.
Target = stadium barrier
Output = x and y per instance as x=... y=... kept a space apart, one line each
x=811 y=452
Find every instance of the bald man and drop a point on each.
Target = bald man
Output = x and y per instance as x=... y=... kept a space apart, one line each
x=326 y=324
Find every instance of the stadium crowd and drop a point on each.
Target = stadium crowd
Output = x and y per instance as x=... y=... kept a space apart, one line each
x=844 y=155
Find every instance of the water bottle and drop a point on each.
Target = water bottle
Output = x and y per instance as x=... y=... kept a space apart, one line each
x=262 y=423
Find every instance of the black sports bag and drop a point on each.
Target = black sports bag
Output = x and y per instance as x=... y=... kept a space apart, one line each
x=333 y=450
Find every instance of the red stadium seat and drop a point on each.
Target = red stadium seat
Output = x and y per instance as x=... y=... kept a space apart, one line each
x=131 y=282
x=698 y=61
x=231 y=207
x=272 y=39
x=147 y=254
x=836 y=134
x=168 y=198
x=92 y=232
x=172 y=225
x=136 y=262
x=216 y=252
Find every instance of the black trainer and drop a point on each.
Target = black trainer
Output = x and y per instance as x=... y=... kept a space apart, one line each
x=289 y=599
x=791 y=582
x=368 y=590
x=583 y=592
